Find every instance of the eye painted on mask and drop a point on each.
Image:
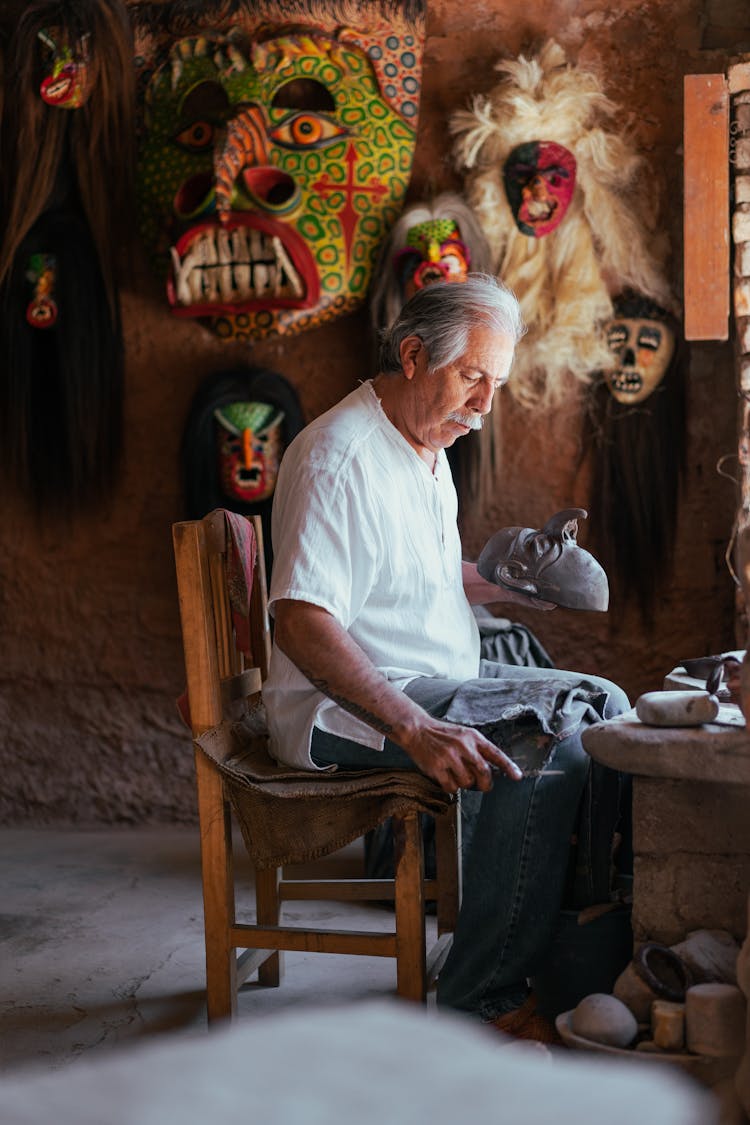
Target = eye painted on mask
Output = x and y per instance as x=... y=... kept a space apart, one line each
x=555 y=177
x=649 y=338
x=455 y=258
x=306 y=130
x=617 y=336
x=196 y=137
x=202 y=109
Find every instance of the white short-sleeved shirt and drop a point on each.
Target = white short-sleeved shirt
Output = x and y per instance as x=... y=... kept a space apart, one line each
x=362 y=528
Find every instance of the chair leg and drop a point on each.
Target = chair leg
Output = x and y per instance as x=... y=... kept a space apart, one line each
x=218 y=891
x=447 y=851
x=410 y=923
x=267 y=909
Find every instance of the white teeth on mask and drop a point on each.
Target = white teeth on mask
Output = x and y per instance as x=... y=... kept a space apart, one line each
x=256 y=244
x=628 y=382
x=539 y=210
x=240 y=247
x=286 y=268
x=209 y=257
x=236 y=266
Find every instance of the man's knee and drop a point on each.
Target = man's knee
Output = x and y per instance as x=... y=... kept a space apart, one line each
x=569 y=759
x=617 y=701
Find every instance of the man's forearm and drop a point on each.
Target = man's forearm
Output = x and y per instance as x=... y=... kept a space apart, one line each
x=454 y=756
x=336 y=665
x=478 y=591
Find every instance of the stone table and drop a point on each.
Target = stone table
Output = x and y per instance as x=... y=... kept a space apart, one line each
x=691 y=819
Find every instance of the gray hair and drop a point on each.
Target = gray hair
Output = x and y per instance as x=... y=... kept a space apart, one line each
x=443 y=315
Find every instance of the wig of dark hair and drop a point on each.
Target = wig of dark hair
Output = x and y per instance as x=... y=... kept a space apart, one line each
x=94 y=143
x=61 y=386
x=66 y=193
x=198 y=455
x=638 y=465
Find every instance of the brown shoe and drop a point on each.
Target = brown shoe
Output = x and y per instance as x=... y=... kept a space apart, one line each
x=527 y=1023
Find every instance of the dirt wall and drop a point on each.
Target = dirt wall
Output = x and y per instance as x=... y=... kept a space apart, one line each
x=91 y=657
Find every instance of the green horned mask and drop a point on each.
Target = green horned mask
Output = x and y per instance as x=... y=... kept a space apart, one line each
x=276 y=148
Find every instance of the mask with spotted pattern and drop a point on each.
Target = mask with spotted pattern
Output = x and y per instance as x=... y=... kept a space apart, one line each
x=274 y=159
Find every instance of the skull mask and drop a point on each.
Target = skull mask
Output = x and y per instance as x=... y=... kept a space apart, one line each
x=643 y=345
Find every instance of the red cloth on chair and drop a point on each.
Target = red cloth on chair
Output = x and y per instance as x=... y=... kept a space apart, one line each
x=242 y=554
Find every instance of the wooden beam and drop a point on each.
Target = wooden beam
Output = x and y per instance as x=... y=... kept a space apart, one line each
x=300 y=939
x=340 y=890
x=706 y=211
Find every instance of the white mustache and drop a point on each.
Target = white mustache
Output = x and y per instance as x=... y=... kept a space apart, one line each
x=472 y=421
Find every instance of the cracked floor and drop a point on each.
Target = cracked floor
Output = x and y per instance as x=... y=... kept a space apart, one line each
x=101 y=947
x=101 y=943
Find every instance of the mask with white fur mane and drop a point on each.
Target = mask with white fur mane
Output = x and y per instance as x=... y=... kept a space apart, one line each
x=606 y=241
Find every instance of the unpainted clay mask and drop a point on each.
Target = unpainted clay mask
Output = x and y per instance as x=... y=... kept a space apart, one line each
x=547 y=564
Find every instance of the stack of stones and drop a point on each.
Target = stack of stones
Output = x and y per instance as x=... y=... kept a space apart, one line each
x=678 y=1000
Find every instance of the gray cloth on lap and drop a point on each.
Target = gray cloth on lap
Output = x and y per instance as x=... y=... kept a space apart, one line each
x=524 y=711
x=509 y=642
x=558 y=701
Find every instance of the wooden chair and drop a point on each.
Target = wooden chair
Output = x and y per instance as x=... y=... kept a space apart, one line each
x=216 y=672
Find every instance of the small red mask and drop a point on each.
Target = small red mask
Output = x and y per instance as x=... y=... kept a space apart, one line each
x=66 y=81
x=540 y=178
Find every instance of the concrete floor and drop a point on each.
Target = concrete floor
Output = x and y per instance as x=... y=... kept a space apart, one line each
x=101 y=947
x=101 y=943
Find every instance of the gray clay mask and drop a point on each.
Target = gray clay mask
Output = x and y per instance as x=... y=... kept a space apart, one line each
x=547 y=563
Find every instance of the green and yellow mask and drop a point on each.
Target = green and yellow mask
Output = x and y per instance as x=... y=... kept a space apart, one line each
x=274 y=159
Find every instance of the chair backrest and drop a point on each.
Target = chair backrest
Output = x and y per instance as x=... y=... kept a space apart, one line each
x=218 y=673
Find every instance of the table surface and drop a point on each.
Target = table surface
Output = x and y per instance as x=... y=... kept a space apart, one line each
x=718 y=751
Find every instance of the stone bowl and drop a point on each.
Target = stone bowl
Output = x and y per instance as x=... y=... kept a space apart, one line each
x=705 y=1069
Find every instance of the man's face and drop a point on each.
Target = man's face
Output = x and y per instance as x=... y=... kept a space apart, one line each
x=451 y=401
x=268 y=174
x=540 y=178
x=643 y=349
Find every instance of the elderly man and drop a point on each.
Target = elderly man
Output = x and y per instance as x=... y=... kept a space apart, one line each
x=376 y=649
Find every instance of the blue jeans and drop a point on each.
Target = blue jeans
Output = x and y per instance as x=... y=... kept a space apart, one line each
x=516 y=846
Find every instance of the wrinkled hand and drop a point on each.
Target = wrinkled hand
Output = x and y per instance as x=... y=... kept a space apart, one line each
x=458 y=757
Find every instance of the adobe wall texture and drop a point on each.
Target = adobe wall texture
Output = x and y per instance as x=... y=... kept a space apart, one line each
x=91 y=657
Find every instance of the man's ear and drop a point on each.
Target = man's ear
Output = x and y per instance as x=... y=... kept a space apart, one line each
x=408 y=351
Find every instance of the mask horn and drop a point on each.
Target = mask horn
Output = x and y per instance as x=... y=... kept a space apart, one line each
x=558 y=524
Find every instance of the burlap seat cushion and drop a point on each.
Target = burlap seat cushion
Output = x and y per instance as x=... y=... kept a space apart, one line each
x=291 y=816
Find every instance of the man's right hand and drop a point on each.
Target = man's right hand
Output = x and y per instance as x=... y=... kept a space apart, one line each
x=454 y=756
